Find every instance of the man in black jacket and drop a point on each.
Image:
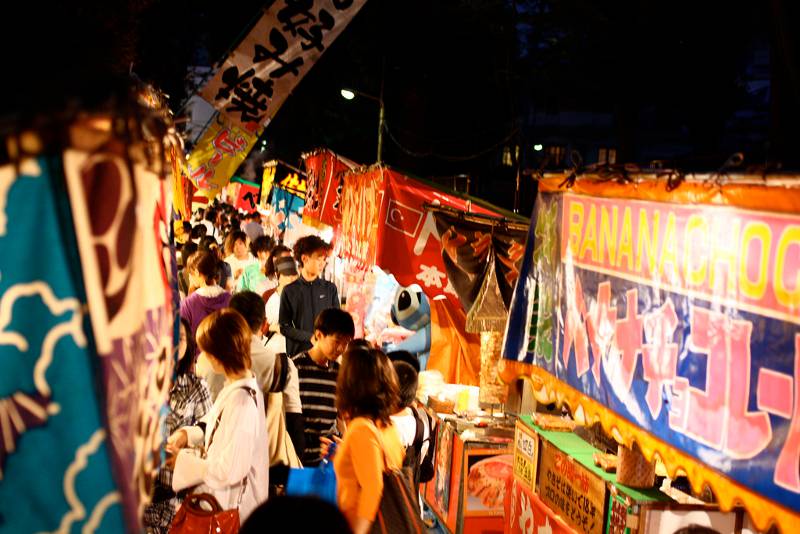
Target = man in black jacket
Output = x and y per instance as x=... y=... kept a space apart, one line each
x=306 y=297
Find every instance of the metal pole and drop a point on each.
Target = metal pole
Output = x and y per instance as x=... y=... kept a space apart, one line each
x=380 y=132
x=380 y=115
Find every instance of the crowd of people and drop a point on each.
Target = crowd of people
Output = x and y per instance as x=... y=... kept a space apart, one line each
x=269 y=378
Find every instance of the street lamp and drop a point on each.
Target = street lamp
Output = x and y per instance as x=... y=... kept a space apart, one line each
x=350 y=94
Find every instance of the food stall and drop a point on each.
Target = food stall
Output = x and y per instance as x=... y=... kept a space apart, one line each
x=666 y=309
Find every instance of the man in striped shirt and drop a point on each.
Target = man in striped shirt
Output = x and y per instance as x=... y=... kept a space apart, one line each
x=317 y=370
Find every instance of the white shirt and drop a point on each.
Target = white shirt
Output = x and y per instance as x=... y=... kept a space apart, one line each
x=262 y=359
x=237 y=264
x=238 y=450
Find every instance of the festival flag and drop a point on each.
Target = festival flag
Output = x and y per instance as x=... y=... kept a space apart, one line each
x=264 y=69
x=55 y=455
x=325 y=173
x=217 y=155
x=120 y=211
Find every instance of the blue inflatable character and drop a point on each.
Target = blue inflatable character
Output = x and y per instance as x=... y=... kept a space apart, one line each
x=412 y=310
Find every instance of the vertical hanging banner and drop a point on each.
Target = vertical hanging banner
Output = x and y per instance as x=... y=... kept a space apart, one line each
x=267 y=179
x=55 y=461
x=362 y=204
x=264 y=69
x=121 y=220
x=217 y=155
x=325 y=173
x=677 y=323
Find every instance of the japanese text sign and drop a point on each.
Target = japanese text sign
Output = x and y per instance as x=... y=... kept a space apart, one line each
x=572 y=491
x=262 y=71
x=325 y=181
x=217 y=155
x=682 y=319
x=526 y=451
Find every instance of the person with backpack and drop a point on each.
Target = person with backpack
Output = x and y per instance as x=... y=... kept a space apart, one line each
x=414 y=424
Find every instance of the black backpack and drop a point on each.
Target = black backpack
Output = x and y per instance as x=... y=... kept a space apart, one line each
x=424 y=470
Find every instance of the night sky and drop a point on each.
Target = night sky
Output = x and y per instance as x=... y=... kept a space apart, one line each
x=683 y=81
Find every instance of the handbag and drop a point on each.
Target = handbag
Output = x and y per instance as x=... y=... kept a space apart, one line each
x=399 y=509
x=192 y=518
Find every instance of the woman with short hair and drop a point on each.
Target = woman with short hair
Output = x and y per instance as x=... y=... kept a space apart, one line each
x=234 y=468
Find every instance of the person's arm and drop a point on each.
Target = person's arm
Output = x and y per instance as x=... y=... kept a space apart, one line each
x=366 y=449
x=229 y=456
x=335 y=296
x=295 y=423
x=286 y=319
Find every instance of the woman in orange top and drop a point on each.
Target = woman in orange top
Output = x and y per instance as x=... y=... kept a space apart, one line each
x=367 y=394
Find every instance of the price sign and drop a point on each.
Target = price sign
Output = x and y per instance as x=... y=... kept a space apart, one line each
x=526 y=451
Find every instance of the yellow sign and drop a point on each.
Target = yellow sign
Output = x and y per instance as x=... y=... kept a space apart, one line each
x=267 y=178
x=294 y=184
x=526 y=451
x=217 y=155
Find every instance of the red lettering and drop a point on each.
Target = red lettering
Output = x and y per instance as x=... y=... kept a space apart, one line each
x=600 y=326
x=787 y=468
x=718 y=416
x=574 y=329
x=748 y=432
x=628 y=338
x=659 y=354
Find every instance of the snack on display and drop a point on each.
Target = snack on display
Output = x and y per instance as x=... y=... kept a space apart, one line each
x=440 y=405
x=553 y=422
x=606 y=462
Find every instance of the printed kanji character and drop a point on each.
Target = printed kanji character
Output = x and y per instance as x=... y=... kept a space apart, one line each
x=280 y=45
x=627 y=343
x=659 y=354
x=574 y=328
x=231 y=80
x=600 y=326
x=430 y=276
x=313 y=35
x=295 y=15
x=787 y=468
x=250 y=97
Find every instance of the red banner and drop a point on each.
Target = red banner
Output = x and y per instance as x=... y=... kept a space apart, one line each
x=325 y=173
x=525 y=512
x=410 y=245
x=362 y=199
x=246 y=197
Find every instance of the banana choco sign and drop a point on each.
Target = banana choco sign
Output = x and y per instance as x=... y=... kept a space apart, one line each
x=676 y=319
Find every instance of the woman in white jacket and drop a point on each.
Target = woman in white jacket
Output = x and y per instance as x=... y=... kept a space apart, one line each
x=234 y=468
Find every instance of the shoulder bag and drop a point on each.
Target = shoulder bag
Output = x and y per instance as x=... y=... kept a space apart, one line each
x=193 y=518
x=399 y=510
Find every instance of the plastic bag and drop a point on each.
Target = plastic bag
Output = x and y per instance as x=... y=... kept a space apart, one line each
x=317 y=481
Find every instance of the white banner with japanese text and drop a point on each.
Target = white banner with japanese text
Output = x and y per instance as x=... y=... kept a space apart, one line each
x=262 y=71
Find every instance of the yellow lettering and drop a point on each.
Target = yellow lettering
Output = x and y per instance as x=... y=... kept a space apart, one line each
x=725 y=252
x=590 y=235
x=575 y=226
x=695 y=258
x=669 y=250
x=754 y=230
x=626 y=240
x=645 y=240
x=608 y=234
x=789 y=297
